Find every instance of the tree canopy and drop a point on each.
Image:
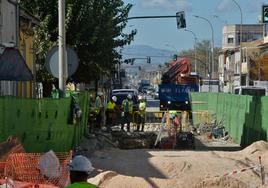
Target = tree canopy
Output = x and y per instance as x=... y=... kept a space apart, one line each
x=203 y=56
x=94 y=28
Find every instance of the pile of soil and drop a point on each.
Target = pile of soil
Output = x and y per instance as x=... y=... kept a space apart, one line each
x=156 y=168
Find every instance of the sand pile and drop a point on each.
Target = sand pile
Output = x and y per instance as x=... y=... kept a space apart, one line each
x=226 y=182
x=259 y=147
x=152 y=168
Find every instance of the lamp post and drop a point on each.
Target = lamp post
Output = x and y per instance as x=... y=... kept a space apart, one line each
x=241 y=38
x=195 y=68
x=212 y=45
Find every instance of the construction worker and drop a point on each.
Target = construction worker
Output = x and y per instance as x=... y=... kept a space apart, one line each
x=99 y=108
x=127 y=106
x=173 y=120
x=141 y=117
x=80 y=169
x=92 y=116
x=111 y=113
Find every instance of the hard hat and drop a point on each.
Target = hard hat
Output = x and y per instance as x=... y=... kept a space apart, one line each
x=81 y=164
x=114 y=98
x=100 y=93
x=129 y=96
x=140 y=97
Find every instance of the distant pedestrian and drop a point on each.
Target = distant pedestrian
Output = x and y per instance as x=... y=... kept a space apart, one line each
x=111 y=113
x=80 y=170
x=99 y=108
x=141 y=113
x=127 y=106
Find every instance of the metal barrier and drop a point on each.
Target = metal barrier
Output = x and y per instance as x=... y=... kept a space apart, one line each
x=154 y=119
x=202 y=116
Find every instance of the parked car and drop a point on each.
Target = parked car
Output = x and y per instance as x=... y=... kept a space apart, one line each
x=251 y=90
x=121 y=94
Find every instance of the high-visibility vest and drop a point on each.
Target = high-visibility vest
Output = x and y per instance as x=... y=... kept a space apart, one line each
x=142 y=108
x=127 y=106
x=110 y=105
x=98 y=104
x=81 y=185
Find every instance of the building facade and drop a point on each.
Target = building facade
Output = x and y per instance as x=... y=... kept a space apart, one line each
x=233 y=72
x=16 y=30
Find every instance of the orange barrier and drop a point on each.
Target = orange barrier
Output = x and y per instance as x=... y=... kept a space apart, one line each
x=17 y=184
x=24 y=167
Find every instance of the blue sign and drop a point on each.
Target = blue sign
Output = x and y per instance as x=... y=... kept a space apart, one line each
x=176 y=92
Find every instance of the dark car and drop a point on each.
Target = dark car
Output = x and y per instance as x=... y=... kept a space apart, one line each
x=122 y=94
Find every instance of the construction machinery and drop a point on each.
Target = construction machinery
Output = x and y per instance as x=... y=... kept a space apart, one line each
x=177 y=82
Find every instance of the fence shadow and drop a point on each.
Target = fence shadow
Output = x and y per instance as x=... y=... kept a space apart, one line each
x=252 y=128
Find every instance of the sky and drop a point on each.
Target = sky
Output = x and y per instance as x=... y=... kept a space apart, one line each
x=163 y=33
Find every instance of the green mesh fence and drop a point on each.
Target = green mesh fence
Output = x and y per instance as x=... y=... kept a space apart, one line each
x=43 y=124
x=199 y=103
x=244 y=117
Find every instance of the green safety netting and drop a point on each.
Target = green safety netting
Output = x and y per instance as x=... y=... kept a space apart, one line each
x=43 y=124
x=244 y=117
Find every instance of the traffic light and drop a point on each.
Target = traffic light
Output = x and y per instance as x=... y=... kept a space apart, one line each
x=126 y=61
x=181 y=22
x=264 y=13
x=148 y=59
x=129 y=61
x=175 y=57
x=132 y=61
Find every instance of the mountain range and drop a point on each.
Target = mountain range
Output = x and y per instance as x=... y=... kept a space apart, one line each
x=141 y=52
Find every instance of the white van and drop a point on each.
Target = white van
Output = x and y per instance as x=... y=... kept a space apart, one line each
x=251 y=90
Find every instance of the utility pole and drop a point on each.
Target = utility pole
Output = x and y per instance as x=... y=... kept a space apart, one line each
x=195 y=67
x=62 y=49
x=241 y=38
x=211 y=74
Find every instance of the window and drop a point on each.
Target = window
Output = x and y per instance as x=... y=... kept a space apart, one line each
x=230 y=40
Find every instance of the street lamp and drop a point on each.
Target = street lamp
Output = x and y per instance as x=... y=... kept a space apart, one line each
x=195 y=68
x=241 y=38
x=212 y=44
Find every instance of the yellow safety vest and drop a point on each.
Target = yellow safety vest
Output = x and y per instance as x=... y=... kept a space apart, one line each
x=142 y=108
x=128 y=108
x=98 y=104
x=110 y=105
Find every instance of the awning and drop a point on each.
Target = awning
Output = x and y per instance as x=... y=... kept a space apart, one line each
x=13 y=66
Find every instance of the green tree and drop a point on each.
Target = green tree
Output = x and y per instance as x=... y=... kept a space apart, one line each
x=94 y=28
x=202 y=56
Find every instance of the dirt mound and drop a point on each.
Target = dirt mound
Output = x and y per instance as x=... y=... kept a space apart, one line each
x=219 y=182
x=259 y=146
x=113 y=180
x=102 y=177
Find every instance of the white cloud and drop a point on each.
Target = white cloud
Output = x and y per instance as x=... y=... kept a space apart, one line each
x=177 y=5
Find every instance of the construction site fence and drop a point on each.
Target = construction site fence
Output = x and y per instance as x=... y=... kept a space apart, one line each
x=43 y=124
x=244 y=117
